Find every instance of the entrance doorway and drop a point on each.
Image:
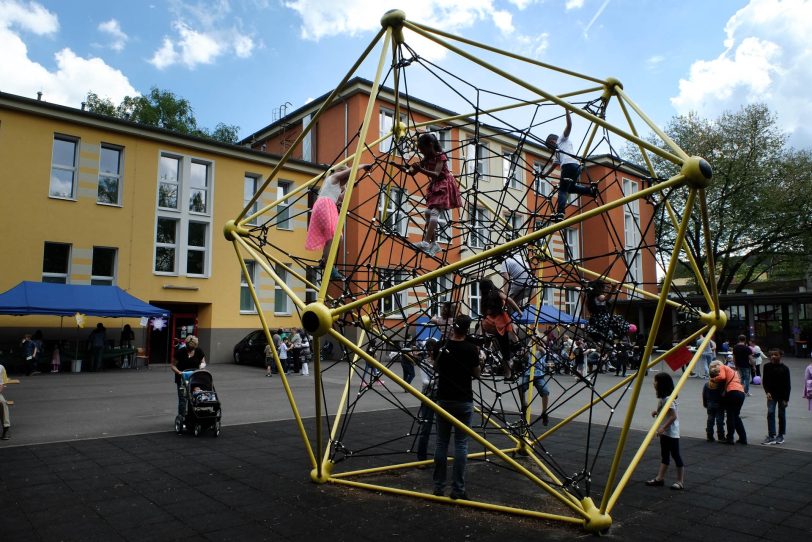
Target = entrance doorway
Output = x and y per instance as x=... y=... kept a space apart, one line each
x=163 y=342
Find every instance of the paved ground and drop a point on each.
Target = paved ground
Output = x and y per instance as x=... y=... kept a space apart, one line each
x=93 y=457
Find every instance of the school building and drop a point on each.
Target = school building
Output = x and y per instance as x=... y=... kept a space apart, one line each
x=95 y=200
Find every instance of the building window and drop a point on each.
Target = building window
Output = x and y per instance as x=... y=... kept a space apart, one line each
x=395 y=302
x=515 y=226
x=548 y=298
x=197 y=241
x=166 y=245
x=63 y=167
x=312 y=276
x=283 y=208
x=56 y=263
x=168 y=182
x=510 y=169
x=249 y=189
x=444 y=226
x=103 y=272
x=182 y=232
x=109 y=190
x=246 y=301
x=444 y=138
x=439 y=293
x=280 y=298
x=571 y=299
x=573 y=248
x=476 y=158
x=631 y=234
x=387 y=121
x=478 y=237
x=541 y=185
x=391 y=211
x=307 y=141
x=475 y=300
x=199 y=188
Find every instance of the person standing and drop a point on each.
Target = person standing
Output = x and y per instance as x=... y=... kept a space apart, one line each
x=456 y=365
x=743 y=358
x=30 y=353
x=708 y=355
x=777 y=384
x=758 y=356
x=126 y=341
x=295 y=351
x=518 y=279
x=186 y=359
x=4 y=413
x=668 y=433
x=731 y=386
x=712 y=401
x=570 y=169
x=96 y=342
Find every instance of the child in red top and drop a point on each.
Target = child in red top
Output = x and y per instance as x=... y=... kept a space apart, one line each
x=443 y=192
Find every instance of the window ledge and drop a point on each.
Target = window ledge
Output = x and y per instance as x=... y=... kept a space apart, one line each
x=101 y=203
x=61 y=198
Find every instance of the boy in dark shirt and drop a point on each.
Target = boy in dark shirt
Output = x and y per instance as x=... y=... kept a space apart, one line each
x=712 y=401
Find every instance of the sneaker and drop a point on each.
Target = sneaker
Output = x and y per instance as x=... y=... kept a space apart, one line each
x=545 y=419
x=438 y=493
x=459 y=495
x=557 y=217
x=655 y=482
x=779 y=439
x=768 y=440
x=433 y=249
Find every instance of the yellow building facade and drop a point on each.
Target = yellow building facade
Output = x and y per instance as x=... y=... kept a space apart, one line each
x=94 y=200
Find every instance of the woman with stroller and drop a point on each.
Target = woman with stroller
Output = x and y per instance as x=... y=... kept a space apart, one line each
x=186 y=359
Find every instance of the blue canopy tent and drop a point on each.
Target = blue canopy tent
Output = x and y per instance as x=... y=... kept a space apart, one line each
x=546 y=315
x=424 y=330
x=68 y=299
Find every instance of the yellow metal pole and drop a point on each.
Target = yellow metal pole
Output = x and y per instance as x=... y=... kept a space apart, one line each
x=362 y=137
x=690 y=257
x=703 y=207
x=638 y=383
x=272 y=272
x=297 y=416
x=643 y=153
x=667 y=140
x=504 y=247
x=321 y=472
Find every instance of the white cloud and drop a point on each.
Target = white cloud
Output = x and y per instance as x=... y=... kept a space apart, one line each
x=766 y=59
x=118 y=37
x=30 y=16
x=503 y=21
x=653 y=62
x=72 y=78
x=201 y=37
x=532 y=46
x=573 y=4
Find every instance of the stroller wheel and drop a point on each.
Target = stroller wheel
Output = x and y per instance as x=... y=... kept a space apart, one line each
x=198 y=429
x=178 y=424
x=216 y=428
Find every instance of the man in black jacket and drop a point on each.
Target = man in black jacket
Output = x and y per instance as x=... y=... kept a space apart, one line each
x=776 y=383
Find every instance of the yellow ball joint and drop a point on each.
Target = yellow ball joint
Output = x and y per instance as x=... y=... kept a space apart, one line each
x=317 y=319
x=610 y=87
x=697 y=171
x=324 y=477
x=231 y=231
x=394 y=19
x=595 y=522
x=713 y=318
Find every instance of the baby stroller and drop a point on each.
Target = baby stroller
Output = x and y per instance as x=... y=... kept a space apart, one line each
x=202 y=409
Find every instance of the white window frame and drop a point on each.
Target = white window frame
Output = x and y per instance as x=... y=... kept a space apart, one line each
x=312 y=276
x=572 y=300
x=169 y=182
x=386 y=124
x=250 y=183
x=444 y=233
x=477 y=154
x=47 y=276
x=184 y=215
x=515 y=222
x=439 y=290
x=478 y=238
x=393 y=304
x=283 y=221
x=443 y=135
x=73 y=168
x=542 y=185
x=245 y=290
x=391 y=212
x=572 y=236
x=631 y=234
x=114 y=175
x=280 y=298
x=510 y=160
x=475 y=299
x=163 y=245
x=548 y=298
x=307 y=140
x=104 y=280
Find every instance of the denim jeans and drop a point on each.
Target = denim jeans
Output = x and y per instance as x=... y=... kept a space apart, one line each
x=782 y=417
x=716 y=416
x=463 y=411
x=408 y=370
x=706 y=361
x=426 y=417
x=745 y=375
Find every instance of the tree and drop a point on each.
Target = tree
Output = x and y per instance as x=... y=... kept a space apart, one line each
x=759 y=208
x=163 y=109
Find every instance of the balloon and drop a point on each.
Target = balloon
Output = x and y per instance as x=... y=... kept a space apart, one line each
x=632 y=328
x=757 y=380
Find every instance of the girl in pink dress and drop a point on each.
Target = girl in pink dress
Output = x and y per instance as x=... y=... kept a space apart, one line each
x=443 y=192
x=324 y=216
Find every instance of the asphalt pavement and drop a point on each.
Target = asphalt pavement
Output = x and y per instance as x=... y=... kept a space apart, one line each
x=93 y=456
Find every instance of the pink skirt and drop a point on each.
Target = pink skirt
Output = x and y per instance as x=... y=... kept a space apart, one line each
x=444 y=194
x=323 y=222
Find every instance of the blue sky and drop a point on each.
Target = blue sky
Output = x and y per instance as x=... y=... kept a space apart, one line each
x=238 y=60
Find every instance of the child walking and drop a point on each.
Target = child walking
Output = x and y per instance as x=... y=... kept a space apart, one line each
x=268 y=360
x=668 y=433
x=712 y=401
x=443 y=192
x=324 y=216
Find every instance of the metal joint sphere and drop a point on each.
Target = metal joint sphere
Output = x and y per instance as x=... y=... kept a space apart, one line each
x=697 y=171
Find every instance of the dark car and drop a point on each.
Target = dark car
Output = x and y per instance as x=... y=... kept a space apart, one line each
x=251 y=349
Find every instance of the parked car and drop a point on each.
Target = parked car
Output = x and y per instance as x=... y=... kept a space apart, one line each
x=251 y=349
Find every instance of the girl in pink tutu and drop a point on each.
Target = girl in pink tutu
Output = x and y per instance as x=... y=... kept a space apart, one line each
x=324 y=216
x=443 y=192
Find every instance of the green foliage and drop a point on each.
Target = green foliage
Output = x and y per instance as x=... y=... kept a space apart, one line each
x=758 y=206
x=162 y=109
